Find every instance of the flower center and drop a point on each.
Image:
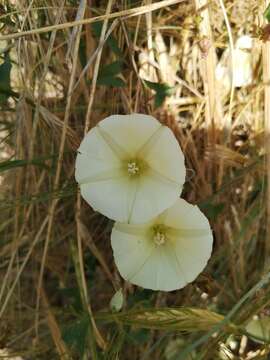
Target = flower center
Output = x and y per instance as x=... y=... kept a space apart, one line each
x=160 y=234
x=133 y=168
x=159 y=238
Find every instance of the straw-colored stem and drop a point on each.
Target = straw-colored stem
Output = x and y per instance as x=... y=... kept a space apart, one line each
x=266 y=80
x=58 y=169
x=125 y=13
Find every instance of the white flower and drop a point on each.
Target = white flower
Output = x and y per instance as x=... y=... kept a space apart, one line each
x=130 y=168
x=242 y=65
x=166 y=253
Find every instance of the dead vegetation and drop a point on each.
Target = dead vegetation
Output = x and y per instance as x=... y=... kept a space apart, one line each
x=65 y=66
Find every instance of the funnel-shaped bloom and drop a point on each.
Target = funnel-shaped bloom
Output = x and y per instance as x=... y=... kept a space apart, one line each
x=130 y=168
x=166 y=253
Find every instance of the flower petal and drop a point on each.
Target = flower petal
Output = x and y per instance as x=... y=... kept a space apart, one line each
x=146 y=274
x=183 y=215
x=103 y=174
x=109 y=197
x=94 y=145
x=130 y=131
x=153 y=196
x=130 y=252
x=187 y=233
x=136 y=230
x=116 y=148
x=94 y=157
x=170 y=265
x=177 y=278
x=143 y=263
x=191 y=235
x=193 y=256
x=164 y=155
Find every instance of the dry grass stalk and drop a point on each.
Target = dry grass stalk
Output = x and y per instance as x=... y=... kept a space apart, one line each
x=225 y=176
x=266 y=80
x=125 y=13
x=55 y=330
x=58 y=170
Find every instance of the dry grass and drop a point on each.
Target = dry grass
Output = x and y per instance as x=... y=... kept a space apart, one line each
x=57 y=274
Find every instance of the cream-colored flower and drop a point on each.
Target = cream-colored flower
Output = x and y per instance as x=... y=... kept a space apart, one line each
x=242 y=65
x=130 y=168
x=166 y=253
x=243 y=73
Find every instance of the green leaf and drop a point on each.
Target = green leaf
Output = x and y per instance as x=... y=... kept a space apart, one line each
x=76 y=334
x=266 y=13
x=141 y=298
x=138 y=336
x=113 y=45
x=5 y=88
x=108 y=75
x=111 y=41
x=72 y=295
x=115 y=346
x=11 y=164
x=111 y=81
x=162 y=90
x=63 y=192
x=83 y=53
x=111 y=69
x=41 y=162
x=212 y=210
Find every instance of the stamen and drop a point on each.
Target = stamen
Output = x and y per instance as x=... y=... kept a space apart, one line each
x=159 y=238
x=133 y=168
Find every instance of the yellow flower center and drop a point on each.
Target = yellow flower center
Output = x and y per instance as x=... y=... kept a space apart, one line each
x=159 y=238
x=133 y=168
x=159 y=234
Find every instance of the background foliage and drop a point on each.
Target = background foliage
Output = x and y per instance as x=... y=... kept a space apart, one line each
x=57 y=80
